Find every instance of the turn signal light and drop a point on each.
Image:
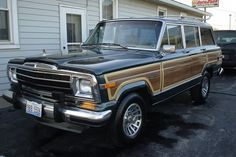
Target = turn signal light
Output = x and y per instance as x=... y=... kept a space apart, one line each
x=110 y=85
x=88 y=105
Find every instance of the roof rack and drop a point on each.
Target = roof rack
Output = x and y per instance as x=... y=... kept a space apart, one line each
x=181 y=17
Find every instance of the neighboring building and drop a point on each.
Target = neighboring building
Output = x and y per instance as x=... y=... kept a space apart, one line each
x=33 y=27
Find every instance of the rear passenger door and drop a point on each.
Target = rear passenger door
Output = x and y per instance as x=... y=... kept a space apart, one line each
x=176 y=66
x=194 y=50
x=209 y=46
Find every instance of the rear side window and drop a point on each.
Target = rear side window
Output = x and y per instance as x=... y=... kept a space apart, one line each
x=191 y=36
x=207 y=38
x=173 y=36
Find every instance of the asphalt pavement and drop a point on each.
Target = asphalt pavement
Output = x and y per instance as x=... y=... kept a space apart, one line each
x=176 y=128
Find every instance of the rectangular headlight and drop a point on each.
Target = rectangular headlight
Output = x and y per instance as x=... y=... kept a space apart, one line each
x=82 y=88
x=85 y=87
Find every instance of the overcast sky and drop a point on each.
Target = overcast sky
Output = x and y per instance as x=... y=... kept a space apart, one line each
x=220 y=18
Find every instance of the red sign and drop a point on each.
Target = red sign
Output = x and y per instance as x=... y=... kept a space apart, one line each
x=205 y=3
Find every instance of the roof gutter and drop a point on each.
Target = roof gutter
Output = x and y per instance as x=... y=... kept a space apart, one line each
x=182 y=6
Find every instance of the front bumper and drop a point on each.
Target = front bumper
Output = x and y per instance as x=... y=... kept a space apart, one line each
x=51 y=112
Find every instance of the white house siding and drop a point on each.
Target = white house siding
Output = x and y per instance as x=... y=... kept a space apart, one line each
x=140 y=8
x=136 y=8
x=39 y=28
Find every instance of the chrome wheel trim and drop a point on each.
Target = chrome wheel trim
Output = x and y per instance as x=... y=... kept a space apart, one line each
x=132 y=120
x=205 y=86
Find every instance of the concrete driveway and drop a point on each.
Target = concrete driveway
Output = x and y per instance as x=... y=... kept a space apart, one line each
x=175 y=129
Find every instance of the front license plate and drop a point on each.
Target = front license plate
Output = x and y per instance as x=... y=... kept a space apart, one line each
x=34 y=108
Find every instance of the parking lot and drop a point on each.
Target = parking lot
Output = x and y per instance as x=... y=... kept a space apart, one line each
x=176 y=128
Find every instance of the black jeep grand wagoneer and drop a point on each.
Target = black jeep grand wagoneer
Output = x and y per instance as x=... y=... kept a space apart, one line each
x=125 y=67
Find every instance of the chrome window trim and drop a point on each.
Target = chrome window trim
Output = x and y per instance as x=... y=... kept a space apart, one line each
x=183 y=37
x=161 y=35
x=135 y=48
x=200 y=36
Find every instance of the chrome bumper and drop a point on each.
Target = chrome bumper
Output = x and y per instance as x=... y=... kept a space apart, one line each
x=75 y=113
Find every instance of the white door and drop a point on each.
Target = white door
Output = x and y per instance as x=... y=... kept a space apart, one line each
x=73 y=28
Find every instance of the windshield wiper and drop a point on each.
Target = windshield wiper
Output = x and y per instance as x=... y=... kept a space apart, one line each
x=106 y=44
x=113 y=44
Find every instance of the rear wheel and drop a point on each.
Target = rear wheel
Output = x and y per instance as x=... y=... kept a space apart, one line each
x=129 y=121
x=200 y=92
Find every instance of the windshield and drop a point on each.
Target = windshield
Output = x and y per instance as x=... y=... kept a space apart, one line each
x=225 y=37
x=131 y=34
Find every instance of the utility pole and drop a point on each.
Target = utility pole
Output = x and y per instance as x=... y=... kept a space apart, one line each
x=230 y=15
x=205 y=14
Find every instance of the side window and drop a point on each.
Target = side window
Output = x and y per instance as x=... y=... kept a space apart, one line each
x=165 y=39
x=207 y=38
x=191 y=36
x=173 y=36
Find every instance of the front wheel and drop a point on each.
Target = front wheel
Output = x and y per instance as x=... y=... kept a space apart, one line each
x=129 y=121
x=200 y=92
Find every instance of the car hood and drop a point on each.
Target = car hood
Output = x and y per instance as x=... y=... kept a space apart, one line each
x=96 y=61
x=228 y=47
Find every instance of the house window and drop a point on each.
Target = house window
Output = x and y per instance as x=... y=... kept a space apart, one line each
x=4 y=24
x=182 y=14
x=8 y=24
x=108 y=9
x=161 y=12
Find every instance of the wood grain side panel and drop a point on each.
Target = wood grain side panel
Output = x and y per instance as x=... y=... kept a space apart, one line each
x=150 y=74
x=176 y=71
x=178 y=61
x=198 y=63
x=213 y=56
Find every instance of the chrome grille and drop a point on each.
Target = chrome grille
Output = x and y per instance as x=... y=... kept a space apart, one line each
x=44 y=80
x=41 y=95
x=46 y=96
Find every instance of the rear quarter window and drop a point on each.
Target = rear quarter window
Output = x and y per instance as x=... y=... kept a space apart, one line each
x=207 y=37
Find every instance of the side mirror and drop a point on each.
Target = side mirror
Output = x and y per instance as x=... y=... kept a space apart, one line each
x=168 y=48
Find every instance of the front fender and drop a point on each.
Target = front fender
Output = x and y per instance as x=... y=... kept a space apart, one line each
x=132 y=87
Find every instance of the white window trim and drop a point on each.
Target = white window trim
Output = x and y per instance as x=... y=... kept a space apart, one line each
x=115 y=9
x=13 y=27
x=183 y=14
x=162 y=9
x=64 y=9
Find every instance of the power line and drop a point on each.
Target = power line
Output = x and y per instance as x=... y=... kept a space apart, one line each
x=224 y=10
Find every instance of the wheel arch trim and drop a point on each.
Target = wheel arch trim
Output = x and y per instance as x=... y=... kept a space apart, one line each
x=132 y=87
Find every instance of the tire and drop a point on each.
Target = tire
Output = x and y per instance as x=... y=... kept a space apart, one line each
x=200 y=92
x=129 y=122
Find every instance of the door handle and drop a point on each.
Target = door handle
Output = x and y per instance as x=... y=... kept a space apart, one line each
x=186 y=52
x=204 y=49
